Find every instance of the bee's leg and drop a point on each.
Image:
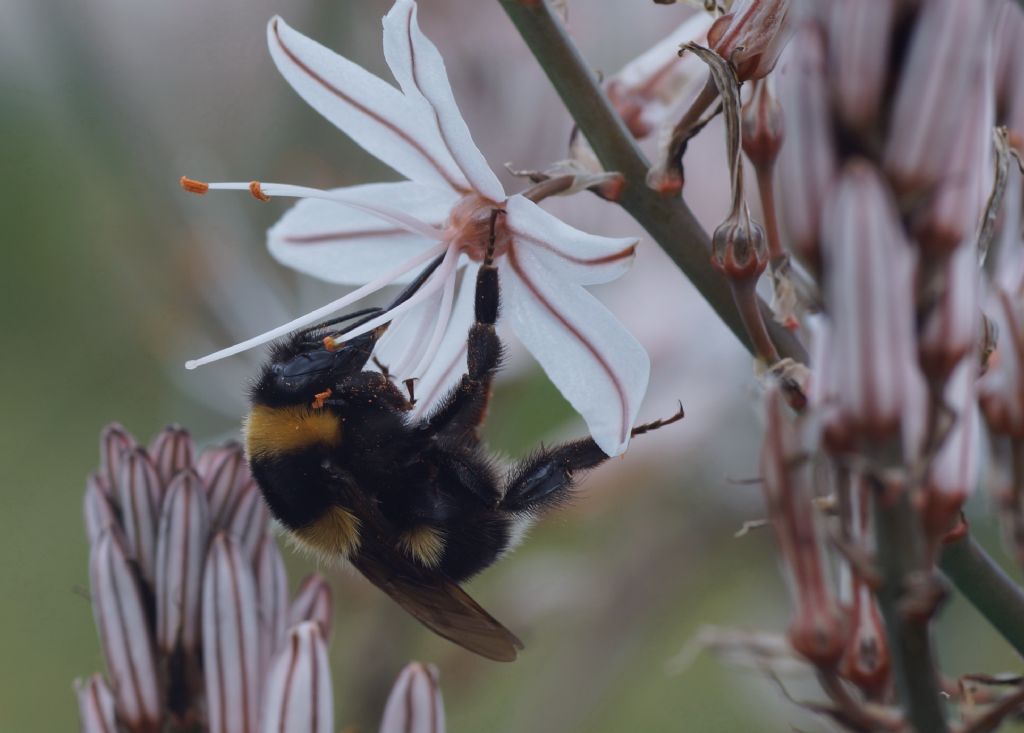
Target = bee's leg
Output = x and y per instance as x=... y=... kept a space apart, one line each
x=463 y=410
x=546 y=478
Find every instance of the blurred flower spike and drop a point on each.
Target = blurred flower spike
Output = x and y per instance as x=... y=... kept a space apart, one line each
x=190 y=599
x=452 y=208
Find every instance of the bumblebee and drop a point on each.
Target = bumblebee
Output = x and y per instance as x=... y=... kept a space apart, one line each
x=417 y=506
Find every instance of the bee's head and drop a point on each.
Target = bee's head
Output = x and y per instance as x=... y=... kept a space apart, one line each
x=301 y=366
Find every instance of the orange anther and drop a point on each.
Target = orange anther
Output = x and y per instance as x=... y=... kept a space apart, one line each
x=320 y=398
x=257 y=192
x=330 y=344
x=193 y=186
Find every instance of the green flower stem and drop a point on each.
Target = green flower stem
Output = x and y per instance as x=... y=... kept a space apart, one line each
x=667 y=219
x=987 y=587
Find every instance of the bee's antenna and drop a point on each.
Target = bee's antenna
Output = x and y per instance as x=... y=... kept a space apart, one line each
x=371 y=313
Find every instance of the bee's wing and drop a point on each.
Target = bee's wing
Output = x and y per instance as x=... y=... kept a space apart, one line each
x=439 y=604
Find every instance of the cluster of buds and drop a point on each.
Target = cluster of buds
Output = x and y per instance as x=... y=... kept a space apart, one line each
x=190 y=598
x=894 y=183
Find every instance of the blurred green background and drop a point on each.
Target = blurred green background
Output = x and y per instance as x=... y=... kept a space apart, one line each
x=114 y=277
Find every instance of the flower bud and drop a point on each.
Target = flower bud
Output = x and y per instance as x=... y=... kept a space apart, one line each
x=752 y=36
x=762 y=125
x=859 y=34
x=95 y=705
x=181 y=554
x=953 y=472
x=1009 y=59
x=869 y=297
x=249 y=520
x=127 y=642
x=738 y=248
x=114 y=443
x=1001 y=391
x=138 y=487
x=951 y=329
x=272 y=588
x=313 y=603
x=231 y=639
x=415 y=704
x=947 y=48
x=298 y=691
x=100 y=515
x=953 y=212
x=226 y=474
x=817 y=631
x=171 y=451
x=807 y=161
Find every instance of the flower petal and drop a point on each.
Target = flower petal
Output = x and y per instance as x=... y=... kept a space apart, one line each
x=595 y=363
x=313 y=603
x=419 y=69
x=95 y=705
x=576 y=256
x=344 y=245
x=368 y=109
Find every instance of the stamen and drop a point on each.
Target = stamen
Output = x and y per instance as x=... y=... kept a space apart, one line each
x=257 y=192
x=193 y=186
x=320 y=313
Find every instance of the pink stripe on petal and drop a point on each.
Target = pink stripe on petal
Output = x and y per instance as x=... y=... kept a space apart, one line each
x=372 y=112
x=226 y=477
x=595 y=363
x=250 y=520
x=115 y=441
x=139 y=487
x=99 y=511
x=272 y=587
x=171 y=451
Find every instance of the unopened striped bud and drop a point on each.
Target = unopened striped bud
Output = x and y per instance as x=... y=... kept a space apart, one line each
x=313 y=603
x=752 y=36
x=298 y=689
x=762 y=126
x=120 y=614
x=95 y=706
x=953 y=213
x=869 y=297
x=817 y=630
x=1001 y=391
x=231 y=639
x=866 y=660
x=249 y=521
x=807 y=161
x=415 y=704
x=738 y=247
x=115 y=442
x=171 y=451
x=947 y=47
x=181 y=554
x=272 y=588
x=226 y=474
x=1009 y=59
x=951 y=329
x=953 y=472
x=859 y=33
x=138 y=490
x=100 y=515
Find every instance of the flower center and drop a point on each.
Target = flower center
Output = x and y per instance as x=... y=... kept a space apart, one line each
x=471 y=224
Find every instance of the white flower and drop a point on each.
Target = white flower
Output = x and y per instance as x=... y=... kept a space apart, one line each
x=381 y=234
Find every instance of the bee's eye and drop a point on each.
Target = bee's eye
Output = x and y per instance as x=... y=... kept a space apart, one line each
x=308 y=364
